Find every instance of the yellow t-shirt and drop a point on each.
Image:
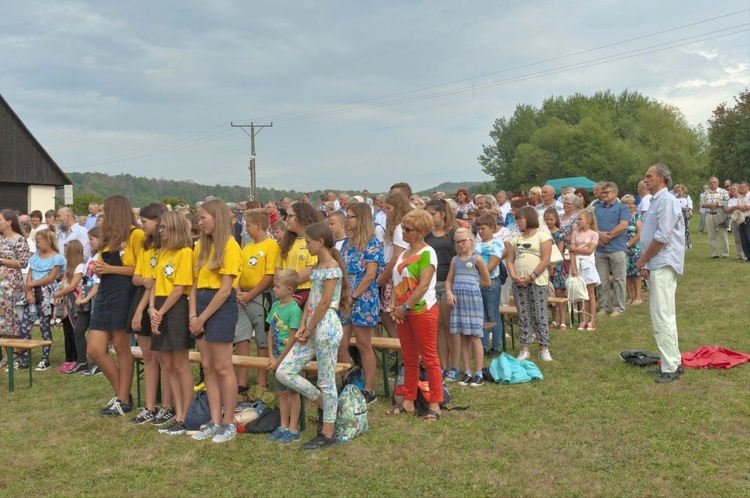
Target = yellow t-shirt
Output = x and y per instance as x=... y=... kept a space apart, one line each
x=529 y=254
x=297 y=259
x=173 y=267
x=133 y=247
x=146 y=263
x=258 y=260
x=211 y=279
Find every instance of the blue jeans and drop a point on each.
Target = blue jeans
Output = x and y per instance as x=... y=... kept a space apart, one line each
x=491 y=302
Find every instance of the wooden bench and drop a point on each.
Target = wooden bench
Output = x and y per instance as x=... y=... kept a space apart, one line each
x=24 y=344
x=564 y=301
x=384 y=344
x=508 y=313
x=255 y=362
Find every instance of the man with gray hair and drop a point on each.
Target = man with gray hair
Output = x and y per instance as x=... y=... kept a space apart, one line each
x=612 y=220
x=715 y=200
x=71 y=230
x=662 y=261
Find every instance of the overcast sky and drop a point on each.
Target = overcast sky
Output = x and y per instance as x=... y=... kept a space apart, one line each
x=389 y=90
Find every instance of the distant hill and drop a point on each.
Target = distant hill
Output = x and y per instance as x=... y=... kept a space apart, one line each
x=142 y=190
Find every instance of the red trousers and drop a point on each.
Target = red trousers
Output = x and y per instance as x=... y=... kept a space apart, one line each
x=418 y=335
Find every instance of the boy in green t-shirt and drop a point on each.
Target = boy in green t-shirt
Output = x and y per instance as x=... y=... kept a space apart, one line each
x=284 y=317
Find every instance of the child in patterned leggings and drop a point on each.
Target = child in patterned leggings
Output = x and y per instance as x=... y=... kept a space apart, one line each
x=319 y=333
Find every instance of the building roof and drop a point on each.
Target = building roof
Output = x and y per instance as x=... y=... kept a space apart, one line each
x=22 y=157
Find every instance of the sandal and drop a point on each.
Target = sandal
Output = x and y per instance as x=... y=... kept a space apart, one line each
x=398 y=410
x=431 y=416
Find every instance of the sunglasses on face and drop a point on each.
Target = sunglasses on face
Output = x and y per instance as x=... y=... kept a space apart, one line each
x=406 y=229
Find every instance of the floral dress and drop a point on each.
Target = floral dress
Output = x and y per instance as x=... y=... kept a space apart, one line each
x=558 y=271
x=634 y=253
x=365 y=310
x=11 y=282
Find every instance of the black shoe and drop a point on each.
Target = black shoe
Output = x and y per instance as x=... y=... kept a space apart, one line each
x=370 y=397
x=657 y=371
x=495 y=352
x=320 y=442
x=666 y=377
x=113 y=409
x=93 y=370
x=465 y=380
x=78 y=367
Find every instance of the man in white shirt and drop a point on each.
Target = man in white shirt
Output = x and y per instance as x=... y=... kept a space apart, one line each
x=645 y=196
x=91 y=218
x=662 y=261
x=549 y=201
x=503 y=203
x=71 y=230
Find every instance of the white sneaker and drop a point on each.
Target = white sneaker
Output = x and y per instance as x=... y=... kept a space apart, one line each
x=227 y=432
x=523 y=356
x=545 y=356
x=208 y=430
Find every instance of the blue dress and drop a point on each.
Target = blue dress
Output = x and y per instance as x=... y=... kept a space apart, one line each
x=365 y=310
x=467 y=314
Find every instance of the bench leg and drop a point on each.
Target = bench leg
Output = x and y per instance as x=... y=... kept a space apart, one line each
x=11 y=377
x=302 y=415
x=138 y=379
x=31 y=367
x=386 y=384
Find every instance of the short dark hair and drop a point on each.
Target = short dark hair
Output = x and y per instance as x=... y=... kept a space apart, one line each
x=529 y=214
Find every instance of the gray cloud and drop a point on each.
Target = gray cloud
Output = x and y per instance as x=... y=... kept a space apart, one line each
x=106 y=86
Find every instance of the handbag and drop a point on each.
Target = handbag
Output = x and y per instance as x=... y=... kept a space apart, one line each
x=722 y=219
x=576 y=288
x=556 y=256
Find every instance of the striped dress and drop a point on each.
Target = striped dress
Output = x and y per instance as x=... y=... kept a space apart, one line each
x=467 y=314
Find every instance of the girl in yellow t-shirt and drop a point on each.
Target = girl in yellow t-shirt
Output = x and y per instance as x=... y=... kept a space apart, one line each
x=293 y=248
x=122 y=243
x=139 y=322
x=168 y=309
x=528 y=260
x=213 y=314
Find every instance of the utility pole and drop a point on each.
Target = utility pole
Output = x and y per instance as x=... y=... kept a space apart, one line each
x=252 y=135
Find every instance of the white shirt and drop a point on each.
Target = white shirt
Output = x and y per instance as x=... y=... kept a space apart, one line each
x=645 y=203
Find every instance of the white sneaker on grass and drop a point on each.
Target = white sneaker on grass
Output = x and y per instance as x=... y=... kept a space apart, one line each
x=523 y=355
x=208 y=430
x=227 y=432
x=545 y=356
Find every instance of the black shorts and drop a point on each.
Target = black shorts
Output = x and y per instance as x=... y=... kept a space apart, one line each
x=145 y=319
x=220 y=327
x=174 y=333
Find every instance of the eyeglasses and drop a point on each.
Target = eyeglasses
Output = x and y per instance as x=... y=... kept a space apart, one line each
x=462 y=241
x=406 y=229
x=607 y=192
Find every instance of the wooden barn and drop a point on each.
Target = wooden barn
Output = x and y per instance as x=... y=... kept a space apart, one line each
x=29 y=177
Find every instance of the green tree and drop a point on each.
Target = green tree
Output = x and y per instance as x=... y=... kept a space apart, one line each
x=603 y=137
x=81 y=202
x=729 y=136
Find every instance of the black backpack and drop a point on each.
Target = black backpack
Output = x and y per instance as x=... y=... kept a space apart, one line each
x=639 y=357
x=266 y=423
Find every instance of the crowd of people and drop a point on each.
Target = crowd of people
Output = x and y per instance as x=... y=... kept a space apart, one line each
x=300 y=278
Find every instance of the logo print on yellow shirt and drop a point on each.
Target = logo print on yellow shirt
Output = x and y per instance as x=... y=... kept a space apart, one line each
x=169 y=270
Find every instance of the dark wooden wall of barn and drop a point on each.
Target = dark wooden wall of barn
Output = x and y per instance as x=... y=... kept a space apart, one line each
x=22 y=159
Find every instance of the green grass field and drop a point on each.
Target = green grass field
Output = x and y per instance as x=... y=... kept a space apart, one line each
x=593 y=427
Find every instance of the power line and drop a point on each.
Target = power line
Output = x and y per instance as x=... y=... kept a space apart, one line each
x=220 y=132
x=579 y=65
x=279 y=117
